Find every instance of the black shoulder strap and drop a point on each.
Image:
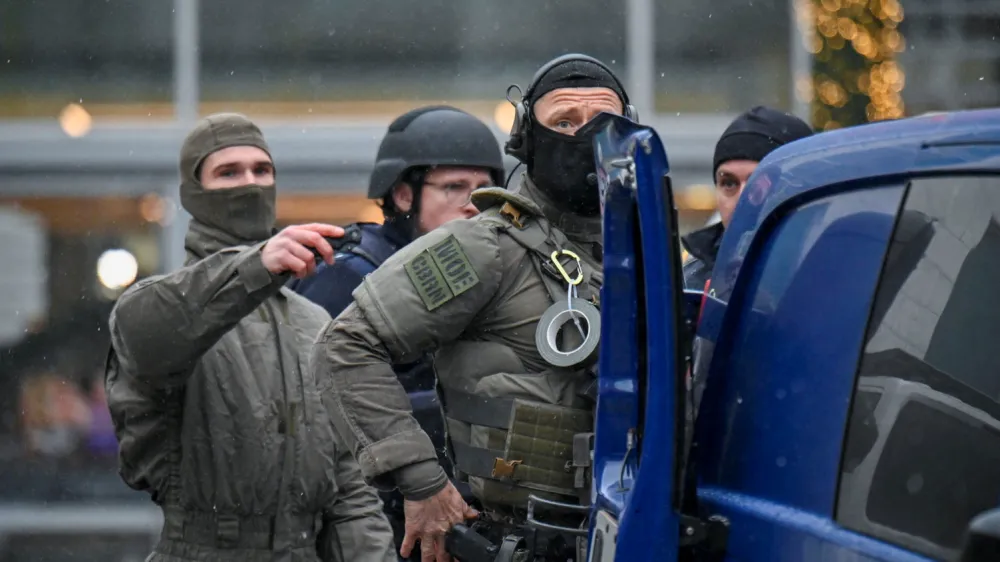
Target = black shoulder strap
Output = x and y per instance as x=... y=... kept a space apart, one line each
x=534 y=234
x=374 y=249
x=361 y=252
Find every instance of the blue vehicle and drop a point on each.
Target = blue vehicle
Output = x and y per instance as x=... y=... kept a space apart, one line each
x=845 y=381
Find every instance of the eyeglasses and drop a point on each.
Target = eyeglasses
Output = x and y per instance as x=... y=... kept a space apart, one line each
x=457 y=194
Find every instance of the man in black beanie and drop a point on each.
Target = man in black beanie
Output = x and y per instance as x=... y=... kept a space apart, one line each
x=747 y=140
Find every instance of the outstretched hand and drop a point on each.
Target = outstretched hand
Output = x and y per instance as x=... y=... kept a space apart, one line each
x=289 y=250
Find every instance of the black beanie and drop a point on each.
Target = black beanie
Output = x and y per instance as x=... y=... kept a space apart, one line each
x=576 y=74
x=756 y=133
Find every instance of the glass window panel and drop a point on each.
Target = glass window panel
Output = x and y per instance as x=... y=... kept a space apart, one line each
x=112 y=57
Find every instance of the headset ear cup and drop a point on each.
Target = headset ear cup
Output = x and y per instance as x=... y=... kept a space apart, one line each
x=517 y=128
x=632 y=113
x=515 y=144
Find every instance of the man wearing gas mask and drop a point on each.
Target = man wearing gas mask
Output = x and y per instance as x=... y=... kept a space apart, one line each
x=216 y=414
x=487 y=295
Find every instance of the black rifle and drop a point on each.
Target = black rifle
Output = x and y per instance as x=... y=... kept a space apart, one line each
x=467 y=545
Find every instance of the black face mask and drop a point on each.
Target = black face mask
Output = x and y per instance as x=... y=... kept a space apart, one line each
x=562 y=167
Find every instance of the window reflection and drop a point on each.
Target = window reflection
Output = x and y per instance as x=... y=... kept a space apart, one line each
x=923 y=440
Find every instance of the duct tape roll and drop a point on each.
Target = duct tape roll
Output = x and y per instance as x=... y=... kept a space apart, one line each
x=560 y=316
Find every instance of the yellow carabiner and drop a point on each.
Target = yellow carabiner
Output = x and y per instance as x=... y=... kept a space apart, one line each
x=562 y=270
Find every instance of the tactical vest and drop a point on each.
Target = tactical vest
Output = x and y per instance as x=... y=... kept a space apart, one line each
x=509 y=448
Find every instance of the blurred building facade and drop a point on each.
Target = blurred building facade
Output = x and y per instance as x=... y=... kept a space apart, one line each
x=95 y=98
x=711 y=56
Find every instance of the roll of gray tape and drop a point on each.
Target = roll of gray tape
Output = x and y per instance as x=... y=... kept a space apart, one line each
x=561 y=316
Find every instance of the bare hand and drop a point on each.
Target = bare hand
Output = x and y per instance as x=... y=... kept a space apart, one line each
x=429 y=520
x=288 y=250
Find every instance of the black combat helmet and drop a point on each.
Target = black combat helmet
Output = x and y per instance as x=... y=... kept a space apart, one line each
x=437 y=135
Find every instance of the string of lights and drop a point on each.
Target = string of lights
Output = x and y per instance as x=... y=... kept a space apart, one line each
x=855 y=75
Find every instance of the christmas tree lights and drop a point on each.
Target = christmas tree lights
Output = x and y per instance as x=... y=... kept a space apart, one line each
x=854 y=45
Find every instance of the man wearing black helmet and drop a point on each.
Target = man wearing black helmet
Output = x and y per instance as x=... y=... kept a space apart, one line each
x=428 y=163
x=484 y=295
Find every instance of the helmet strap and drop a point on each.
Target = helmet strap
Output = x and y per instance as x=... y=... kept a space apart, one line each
x=409 y=222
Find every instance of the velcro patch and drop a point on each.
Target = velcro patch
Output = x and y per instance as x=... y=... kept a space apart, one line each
x=441 y=273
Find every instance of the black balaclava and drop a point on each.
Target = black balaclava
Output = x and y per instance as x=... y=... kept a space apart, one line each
x=562 y=166
x=756 y=133
x=229 y=216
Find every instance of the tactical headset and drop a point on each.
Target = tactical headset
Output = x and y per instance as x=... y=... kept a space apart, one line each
x=516 y=145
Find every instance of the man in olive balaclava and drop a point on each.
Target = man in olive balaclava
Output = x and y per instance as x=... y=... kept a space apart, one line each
x=479 y=293
x=243 y=214
x=214 y=415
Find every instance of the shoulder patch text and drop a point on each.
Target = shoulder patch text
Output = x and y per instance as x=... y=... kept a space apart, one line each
x=441 y=273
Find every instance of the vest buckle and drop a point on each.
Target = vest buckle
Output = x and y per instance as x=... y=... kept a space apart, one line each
x=512 y=214
x=504 y=469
